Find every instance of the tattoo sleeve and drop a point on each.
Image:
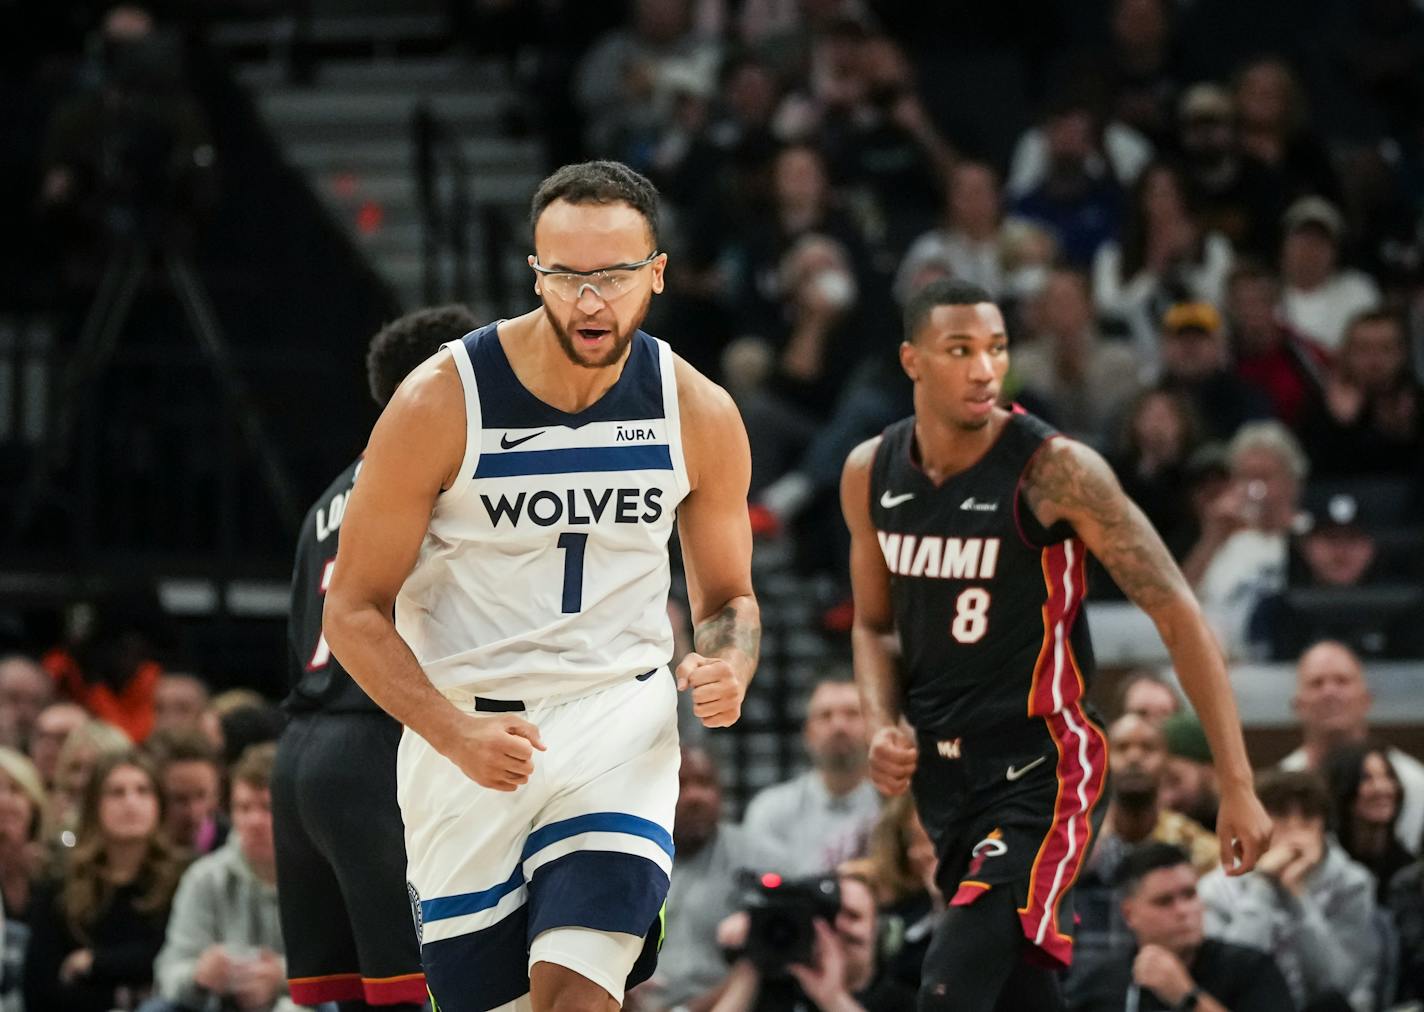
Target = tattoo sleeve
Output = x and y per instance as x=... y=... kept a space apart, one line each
x=735 y=629
x=1068 y=481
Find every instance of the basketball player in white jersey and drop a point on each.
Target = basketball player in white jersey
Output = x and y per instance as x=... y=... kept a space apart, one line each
x=513 y=514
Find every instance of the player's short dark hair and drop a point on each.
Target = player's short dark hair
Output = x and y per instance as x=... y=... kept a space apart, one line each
x=941 y=292
x=1143 y=860
x=1291 y=792
x=601 y=182
x=404 y=343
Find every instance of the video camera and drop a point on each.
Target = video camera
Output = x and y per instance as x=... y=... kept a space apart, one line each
x=782 y=912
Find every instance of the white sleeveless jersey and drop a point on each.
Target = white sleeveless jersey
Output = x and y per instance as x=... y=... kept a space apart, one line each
x=545 y=570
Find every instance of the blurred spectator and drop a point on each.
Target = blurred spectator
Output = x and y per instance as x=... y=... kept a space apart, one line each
x=1080 y=380
x=1142 y=64
x=224 y=939
x=1241 y=557
x=1170 y=960
x=52 y=727
x=223 y=704
x=1207 y=476
x=1338 y=552
x=179 y=701
x=1196 y=364
x=22 y=805
x=1189 y=783
x=1332 y=701
x=1371 y=418
x=1321 y=296
x=901 y=865
x=107 y=661
x=1275 y=130
x=83 y=748
x=25 y=690
x=823 y=338
x=625 y=84
x=1078 y=199
x=1163 y=257
x=247 y=725
x=886 y=148
x=1306 y=903
x=1406 y=905
x=1365 y=800
x=969 y=242
x=95 y=931
x=1269 y=355
x=843 y=976
x=1159 y=431
x=1137 y=759
x=806 y=816
x=710 y=855
x=1147 y=694
x=190 y=774
x=1232 y=193
x=1111 y=151
x=802 y=203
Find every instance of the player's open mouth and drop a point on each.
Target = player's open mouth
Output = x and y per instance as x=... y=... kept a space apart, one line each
x=592 y=335
x=981 y=402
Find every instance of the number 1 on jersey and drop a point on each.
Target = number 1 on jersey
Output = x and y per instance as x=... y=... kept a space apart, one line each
x=573 y=546
x=322 y=653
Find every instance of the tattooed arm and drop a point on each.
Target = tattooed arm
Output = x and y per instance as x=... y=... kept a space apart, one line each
x=716 y=552
x=1068 y=481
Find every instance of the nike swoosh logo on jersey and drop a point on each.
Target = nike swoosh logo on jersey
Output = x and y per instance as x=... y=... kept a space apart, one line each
x=889 y=502
x=1014 y=774
x=505 y=443
x=982 y=507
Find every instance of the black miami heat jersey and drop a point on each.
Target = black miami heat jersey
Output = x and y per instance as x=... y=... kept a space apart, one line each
x=987 y=602
x=318 y=681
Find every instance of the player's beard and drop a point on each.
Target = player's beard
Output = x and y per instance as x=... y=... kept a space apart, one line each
x=618 y=339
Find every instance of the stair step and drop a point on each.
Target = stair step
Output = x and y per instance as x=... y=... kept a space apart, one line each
x=359 y=153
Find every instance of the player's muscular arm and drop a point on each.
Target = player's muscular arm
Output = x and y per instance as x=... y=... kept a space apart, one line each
x=415 y=450
x=1068 y=481
x=716 y=537
x=892 y=747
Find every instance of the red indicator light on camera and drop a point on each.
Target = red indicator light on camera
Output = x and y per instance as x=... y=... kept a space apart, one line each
x=771 y=880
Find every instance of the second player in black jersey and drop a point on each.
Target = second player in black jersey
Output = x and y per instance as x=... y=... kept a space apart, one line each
x=341 y=866
x=970 y=526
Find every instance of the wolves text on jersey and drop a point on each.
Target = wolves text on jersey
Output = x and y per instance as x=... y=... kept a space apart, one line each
x=577 y=506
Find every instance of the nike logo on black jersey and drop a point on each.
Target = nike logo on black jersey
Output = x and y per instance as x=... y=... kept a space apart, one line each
x=1015 y=772
x=982 y=507
x=505 y=443
x=889 y=502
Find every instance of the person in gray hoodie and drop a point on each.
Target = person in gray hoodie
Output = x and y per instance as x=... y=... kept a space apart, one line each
x=1306 y=903
x=223 y=949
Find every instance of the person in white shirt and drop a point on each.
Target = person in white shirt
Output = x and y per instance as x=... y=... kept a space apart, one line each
x=1332 y=701
x=815 y=818
x=1241 y=556
x=1320 y=297
x=969 y=242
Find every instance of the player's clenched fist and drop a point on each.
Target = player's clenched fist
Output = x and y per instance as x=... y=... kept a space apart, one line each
x=717 y=689
x=497 y=752
x=893 y=755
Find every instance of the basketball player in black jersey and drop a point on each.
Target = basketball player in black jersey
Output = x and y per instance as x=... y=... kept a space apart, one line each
x=969 y=527
x=341 y=884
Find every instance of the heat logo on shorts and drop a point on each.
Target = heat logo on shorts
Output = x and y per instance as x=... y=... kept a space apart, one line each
x=992 y=845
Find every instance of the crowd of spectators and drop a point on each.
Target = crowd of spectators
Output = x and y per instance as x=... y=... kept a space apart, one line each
x=1201 y=280
x=136 y=873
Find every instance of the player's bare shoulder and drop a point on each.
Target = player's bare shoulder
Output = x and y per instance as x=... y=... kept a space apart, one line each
x=1066 y=478
x=855 y=481
x=426 y=416
x=713 y=434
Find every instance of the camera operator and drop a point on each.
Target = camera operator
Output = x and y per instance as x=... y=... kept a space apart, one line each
x=130 y=155
x=842 y=973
